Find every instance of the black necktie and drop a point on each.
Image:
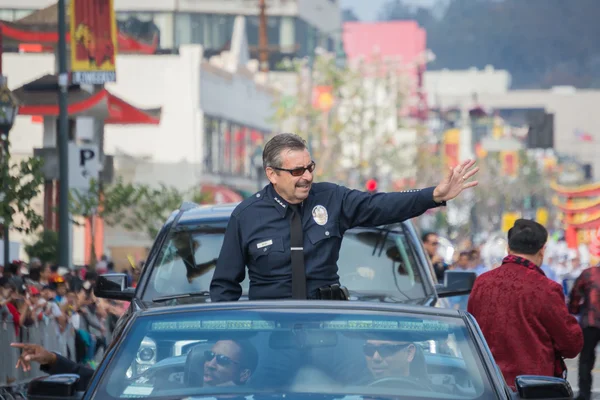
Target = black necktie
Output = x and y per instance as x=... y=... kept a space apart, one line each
x=297 y=249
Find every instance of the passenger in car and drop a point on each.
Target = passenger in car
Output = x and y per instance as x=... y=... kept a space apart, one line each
x=388 y=358
x=227 y=363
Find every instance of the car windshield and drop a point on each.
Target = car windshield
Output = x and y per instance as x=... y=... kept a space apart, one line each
x=293 y=350
x=377 y=261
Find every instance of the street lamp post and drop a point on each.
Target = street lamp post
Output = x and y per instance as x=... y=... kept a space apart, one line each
x=9 y=108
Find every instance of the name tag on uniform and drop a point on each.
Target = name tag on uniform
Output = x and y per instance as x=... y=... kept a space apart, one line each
x=264 y=244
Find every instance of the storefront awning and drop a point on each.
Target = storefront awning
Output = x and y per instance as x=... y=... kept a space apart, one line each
x=221 y=194
x=39 y=98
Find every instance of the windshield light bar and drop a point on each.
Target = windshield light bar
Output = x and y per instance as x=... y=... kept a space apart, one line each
x=350 y=325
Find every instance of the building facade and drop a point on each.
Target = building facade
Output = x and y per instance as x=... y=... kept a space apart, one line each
x=290 y=25
x=215 y=115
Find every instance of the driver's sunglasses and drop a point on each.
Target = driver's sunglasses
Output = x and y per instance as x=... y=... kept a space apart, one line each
x=221 y=359
x=384 y=350
x=298 y=171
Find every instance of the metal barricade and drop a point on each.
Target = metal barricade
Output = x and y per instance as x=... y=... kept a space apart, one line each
x=8 y=360
x=46 y=333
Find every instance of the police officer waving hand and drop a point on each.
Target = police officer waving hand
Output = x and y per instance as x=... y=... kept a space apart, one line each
x=291 y=231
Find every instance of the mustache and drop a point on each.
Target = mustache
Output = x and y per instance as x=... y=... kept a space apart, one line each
x=301 y=183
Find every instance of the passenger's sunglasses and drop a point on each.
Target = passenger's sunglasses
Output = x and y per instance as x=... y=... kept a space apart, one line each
x=384 y=350
x=221 y=359
x=298 y=171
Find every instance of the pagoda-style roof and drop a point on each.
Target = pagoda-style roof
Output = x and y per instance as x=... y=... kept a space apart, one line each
x=589 y=190
x=578 y=206
x=42 y=27
x=584 y=220
x=39 y=98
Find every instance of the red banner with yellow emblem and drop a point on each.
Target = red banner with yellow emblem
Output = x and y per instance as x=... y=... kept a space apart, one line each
x=93 y=29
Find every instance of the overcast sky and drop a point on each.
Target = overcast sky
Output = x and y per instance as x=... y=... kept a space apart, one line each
x=367 y=10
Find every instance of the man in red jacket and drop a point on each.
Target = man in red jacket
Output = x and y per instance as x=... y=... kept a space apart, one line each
x=523 y=314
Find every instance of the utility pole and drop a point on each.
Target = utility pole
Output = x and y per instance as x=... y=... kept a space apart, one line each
x=63 y=141
x=263 y=38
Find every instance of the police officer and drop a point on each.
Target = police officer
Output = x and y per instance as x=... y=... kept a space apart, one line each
x=262 y=233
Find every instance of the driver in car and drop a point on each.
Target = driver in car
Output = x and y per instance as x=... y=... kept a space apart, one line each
x=229 y=363
x=394 y=359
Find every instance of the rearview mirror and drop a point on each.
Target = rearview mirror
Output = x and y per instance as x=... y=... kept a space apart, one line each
x=114 y=287
x=62 y=386
x=543 y=387
x=456 y=283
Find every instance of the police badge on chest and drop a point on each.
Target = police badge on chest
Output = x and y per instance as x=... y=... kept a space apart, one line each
x=319 y=214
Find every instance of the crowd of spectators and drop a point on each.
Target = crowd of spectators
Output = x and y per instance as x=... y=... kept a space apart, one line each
x=34 y=293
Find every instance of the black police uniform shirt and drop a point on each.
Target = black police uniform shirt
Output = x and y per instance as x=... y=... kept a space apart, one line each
x=258 y=236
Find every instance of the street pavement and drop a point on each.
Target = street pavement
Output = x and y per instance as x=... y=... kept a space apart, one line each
x=573 y=376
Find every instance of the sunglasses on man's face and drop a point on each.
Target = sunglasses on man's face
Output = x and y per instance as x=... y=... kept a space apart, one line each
x=384 y=350
x=298 y=171
x=221 y=359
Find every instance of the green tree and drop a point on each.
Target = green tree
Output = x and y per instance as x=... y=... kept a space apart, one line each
x=111 y=203
x=153 y=207
x=20 y=184
x=202 y=197
x=358 y=135
x=45 y=247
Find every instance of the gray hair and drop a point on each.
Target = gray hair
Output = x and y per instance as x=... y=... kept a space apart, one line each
x=274 y=147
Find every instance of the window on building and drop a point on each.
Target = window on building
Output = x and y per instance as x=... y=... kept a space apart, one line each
x=10 y=14
x=212 y=31
x=146 y=26
x=287 y=37
x=22 y=13
x=273 y=30
x=240 y=152
x=228 y=154
x=231 y=149
x=303 y=30
x=211 y=144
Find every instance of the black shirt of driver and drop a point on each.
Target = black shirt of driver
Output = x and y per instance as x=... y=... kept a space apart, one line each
x=258 y=236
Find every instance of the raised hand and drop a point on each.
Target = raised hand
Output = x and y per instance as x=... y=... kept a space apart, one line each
x=455 y=181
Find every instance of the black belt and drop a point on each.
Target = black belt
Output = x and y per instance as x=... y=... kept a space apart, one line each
x=297 y=249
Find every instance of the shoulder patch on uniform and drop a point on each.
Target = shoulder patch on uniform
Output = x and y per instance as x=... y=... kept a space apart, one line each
x=248 y=202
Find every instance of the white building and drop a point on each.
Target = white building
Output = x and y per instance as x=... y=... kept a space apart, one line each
x=441 y=83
